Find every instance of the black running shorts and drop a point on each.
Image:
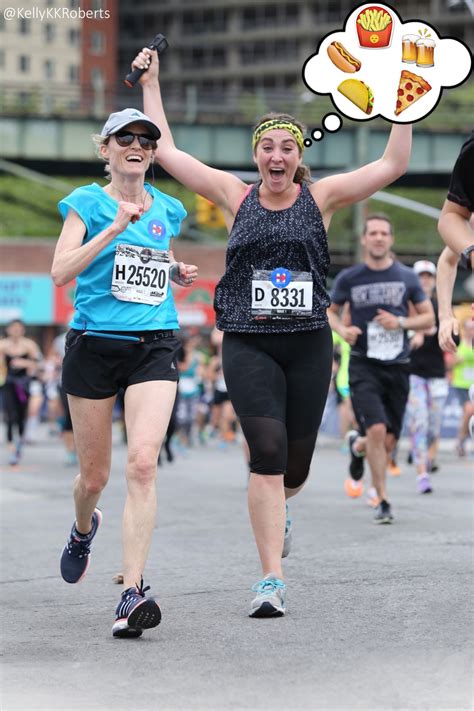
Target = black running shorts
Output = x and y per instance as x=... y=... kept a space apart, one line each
x=96 y=368
x=220 y=397
x=379 y=393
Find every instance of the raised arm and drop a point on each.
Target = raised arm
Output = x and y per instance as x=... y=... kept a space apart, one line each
x=338 y=191
x=218 y=186
x=445 y=278
x=455 y=229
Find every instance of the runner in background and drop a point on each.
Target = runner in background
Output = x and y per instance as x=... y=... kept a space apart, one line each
x=342 y=351
x=463 y=380
x=190 y=365
x=378 y=292
x=428 y=388
x=222 y=412
x=19 y=357
x=453 y=224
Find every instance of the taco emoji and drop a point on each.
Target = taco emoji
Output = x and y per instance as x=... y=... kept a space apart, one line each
x=359 y=93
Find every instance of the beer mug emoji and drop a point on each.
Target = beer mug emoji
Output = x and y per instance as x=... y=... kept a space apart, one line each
x=409 y=48
x=425 y=52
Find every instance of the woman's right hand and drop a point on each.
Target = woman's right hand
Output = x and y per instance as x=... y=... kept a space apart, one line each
x=127 y=212
x=448 y=327
x=147 y=59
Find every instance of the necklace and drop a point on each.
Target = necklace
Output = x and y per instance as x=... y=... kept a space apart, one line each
x=126 y=198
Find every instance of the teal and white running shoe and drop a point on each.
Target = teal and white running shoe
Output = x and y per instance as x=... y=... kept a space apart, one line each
x=270 y=598
x=288 y=534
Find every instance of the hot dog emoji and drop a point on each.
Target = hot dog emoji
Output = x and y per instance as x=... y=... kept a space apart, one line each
x=343 y=59
x=359 y=93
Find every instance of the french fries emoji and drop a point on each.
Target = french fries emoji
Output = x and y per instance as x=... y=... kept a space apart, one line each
x=374 y=27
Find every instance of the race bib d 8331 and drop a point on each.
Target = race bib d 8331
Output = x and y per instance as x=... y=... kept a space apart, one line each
x=281 y=294
x=140 y=274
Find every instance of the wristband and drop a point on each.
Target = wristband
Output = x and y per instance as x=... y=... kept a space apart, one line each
x=402 y=321
x=466 y=257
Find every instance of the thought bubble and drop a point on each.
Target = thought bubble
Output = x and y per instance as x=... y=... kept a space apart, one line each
x=378 y=65
x=331 y=122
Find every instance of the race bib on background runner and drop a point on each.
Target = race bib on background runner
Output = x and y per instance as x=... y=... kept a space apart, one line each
x=281 y=294
x=383 y=344
x=140 y=274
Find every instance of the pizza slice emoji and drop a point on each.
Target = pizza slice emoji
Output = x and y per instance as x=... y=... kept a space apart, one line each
x=411 y=88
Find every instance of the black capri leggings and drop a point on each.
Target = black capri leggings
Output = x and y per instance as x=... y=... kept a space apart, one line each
x=15 y=404
x=278 y=385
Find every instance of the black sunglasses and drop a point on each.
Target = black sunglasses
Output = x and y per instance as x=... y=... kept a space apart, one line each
x=126 y=138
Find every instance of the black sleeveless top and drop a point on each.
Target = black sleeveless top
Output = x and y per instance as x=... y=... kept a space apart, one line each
x=15 y=372
x=293 y=238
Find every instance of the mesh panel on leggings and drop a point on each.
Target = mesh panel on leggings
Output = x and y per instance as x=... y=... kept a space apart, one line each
x=266 y=438
x=270 y=452
x=300 y=452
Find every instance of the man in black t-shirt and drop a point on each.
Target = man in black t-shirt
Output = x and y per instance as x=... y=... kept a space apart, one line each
x=453 y=224
x=378 y=292
x=457 y=230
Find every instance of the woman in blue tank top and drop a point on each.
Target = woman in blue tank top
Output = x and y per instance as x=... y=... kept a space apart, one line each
x=117 y=243
x=271 y=304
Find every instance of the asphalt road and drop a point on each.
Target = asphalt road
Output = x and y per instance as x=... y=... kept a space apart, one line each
x=379 y=617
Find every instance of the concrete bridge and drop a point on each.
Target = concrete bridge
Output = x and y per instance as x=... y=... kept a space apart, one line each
x=57 y=140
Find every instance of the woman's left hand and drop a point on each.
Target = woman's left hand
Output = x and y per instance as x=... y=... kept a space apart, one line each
x=184 y=274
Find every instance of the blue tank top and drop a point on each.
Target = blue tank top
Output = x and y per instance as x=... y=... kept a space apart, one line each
x=95 y=306
x=293 y=239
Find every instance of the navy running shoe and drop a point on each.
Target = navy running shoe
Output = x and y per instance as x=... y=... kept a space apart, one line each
x=135 y=612
x=383 y=513
x=356 y=466
x=76 y=554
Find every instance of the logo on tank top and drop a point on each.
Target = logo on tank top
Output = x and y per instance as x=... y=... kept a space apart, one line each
x=280 y=277
x=156 y=229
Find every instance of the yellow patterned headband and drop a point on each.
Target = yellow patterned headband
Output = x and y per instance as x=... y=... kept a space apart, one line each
x=292 y=128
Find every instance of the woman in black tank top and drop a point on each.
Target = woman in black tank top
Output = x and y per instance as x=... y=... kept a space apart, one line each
x=20 y=356
x=271 y=304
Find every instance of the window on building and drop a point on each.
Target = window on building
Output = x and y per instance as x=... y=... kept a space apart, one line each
x=74 y=37
x=24 y=64
x=23 y=98
x=49 y=69
x=49 y=32
x=275 y=51
x=269 y=15
x=25 y=27
x=201 y=21
x=73 y=73
x=204 y=58
x=97 y=77
x=97 y=45
x=291 y=13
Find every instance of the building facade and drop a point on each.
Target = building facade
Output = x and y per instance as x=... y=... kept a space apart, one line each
x=58 y=57
x=229 y=59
